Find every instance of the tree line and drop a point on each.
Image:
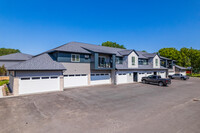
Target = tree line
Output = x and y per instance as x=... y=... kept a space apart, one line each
x=6 y=51
x=185 y=57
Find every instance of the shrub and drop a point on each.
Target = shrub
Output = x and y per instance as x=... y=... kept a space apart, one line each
x=3 y=71
x=4 y=82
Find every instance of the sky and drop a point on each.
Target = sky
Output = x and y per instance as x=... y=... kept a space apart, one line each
x=34 y=26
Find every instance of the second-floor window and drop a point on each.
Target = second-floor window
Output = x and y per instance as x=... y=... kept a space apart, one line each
x=119 y=60
x=156 y=62
x=143 y=61
x=75 y=58
x=133 y=60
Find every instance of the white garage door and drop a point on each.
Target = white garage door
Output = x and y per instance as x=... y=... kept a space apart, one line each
x=28 y=85
x=75 y=80
x=121 y=78
x=140 y=75
x=162 y=74
x=98 y=79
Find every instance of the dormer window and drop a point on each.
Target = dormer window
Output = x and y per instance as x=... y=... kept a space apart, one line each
x=156 y=62
x=133 y=60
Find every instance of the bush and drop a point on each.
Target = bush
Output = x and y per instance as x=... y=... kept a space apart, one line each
x=194 y=75
x=4 y=82
x=3 y=71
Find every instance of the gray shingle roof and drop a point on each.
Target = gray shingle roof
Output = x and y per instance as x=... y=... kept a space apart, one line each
x=180 y=67
x=145 y=55
x=165 y=58
x=79 y=47
x=141 y=54
x=16 y=57
x=41 y=62
x=125 y=52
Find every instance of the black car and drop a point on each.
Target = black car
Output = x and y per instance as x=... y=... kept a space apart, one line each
x=178 y=76
x=156 y=79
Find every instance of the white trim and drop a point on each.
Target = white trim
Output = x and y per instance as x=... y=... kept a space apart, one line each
x=75 y=57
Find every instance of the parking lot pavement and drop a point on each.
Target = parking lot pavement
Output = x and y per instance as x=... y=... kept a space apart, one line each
x=128 y=108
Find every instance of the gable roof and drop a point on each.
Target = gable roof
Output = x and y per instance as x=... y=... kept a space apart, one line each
x=146 y=55
x=41 y=62
x=16 y=57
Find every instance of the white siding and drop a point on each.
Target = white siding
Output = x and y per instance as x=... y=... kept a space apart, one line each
x=154 y=62
x=183 y=72
x=133 y=54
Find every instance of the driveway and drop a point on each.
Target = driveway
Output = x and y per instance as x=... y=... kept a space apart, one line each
x=129 y=108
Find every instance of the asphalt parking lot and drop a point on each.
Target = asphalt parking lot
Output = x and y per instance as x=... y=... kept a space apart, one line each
x=128 y=108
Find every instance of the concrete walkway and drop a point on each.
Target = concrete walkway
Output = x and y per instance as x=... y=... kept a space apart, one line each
x=1 y=92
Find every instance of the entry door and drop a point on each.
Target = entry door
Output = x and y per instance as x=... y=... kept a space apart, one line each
x=135 y=77
x=155 y=73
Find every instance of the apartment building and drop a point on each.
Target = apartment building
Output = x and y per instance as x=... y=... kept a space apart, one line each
x=78 y=64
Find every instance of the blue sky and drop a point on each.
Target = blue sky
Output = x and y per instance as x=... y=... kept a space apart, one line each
x=39 y=25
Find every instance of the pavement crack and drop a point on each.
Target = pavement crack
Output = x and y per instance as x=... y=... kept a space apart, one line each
x=38 y=110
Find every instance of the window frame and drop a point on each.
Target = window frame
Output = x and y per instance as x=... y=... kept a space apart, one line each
x=156 y=62
x=133 y=63
x=75 y=59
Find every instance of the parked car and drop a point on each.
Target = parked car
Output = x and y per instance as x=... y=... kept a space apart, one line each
x=178 y=76
x=156 y=79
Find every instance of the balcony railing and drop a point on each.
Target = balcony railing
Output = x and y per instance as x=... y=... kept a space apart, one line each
x=105 y=65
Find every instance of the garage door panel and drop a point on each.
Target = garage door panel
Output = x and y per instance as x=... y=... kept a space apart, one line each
x=75 y=81
x=38 y=85
x=140 y=75
x=98 y=79
x=121 y=78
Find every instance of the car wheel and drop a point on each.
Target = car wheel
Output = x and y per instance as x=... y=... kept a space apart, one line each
x=160 y=84
x=144 y=81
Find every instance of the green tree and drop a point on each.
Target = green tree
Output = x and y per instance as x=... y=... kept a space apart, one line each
x=112 y=44
x=185 y=55
x=3 y=71
x=6 y=51
x=171 y=53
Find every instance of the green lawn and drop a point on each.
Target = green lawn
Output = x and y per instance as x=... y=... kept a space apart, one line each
x=4 y=82
x=194 y=75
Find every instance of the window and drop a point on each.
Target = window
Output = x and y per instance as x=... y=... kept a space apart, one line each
x=143 y=61
x=35 y=78
x=54 y=77
x=25 y=78
x=156 y=62
x=102 y=61
x=133 y=60
x=45 y=77
x=119 y=60
x=75 y=58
